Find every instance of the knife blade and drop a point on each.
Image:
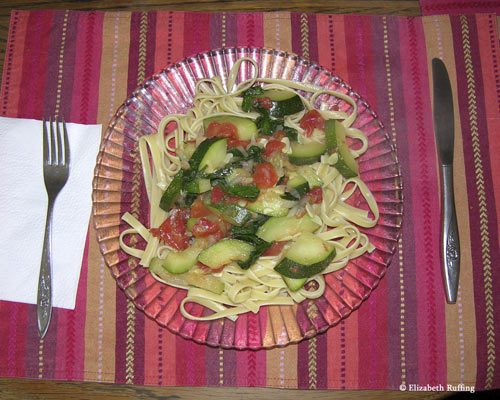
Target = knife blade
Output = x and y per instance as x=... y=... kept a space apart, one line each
x=444 y=130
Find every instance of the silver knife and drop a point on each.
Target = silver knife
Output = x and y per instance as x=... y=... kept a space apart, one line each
x=444 y=129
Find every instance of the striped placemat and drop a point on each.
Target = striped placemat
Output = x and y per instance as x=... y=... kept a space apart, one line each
x=82 y=65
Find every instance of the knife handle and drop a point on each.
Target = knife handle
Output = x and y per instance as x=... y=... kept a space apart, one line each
x=450 y=250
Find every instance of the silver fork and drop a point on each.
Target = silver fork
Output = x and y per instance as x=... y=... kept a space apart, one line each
x=55 y=175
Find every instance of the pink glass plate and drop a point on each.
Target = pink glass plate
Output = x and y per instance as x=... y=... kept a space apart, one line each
x=118 y=187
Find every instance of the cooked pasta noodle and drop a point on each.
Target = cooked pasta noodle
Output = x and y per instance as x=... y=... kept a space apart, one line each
x=248 y=290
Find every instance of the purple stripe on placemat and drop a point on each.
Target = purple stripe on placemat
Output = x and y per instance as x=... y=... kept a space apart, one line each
x=213 y=364
x=304 y=36
x=61 y=60
x=482 y=214
x=401 y=303
x=14 y=20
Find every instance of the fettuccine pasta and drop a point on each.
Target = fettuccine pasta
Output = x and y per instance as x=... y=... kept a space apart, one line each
x=335 y=218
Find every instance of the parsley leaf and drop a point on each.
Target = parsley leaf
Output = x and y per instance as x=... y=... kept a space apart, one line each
x=249 y=95
x=249 y=192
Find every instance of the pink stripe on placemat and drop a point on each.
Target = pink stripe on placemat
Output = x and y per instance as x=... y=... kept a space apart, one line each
x=87 y=68
x=425 y=202
x=431 y=7
x=35 y=59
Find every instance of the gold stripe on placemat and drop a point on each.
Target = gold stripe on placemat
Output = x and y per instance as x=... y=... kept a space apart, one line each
x=392 y=132
x=481 y=193
x=100 y=324
x=278 y=31
x=60 y=68
x=304 y=35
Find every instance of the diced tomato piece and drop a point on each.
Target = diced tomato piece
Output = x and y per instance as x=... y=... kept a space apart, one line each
x=212 y=129
x=225 y=129
x=205 y=227
x=279 y=134
x=263 y=102
x=311 y=120
x=275 y=249
x=217 y=195
x=272 y=146
x=198 y=209
x=265 y=175
x=232 y=142
x=173 y=230
x=315 y=195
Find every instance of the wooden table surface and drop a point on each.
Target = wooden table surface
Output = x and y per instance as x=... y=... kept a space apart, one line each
x=34 y=389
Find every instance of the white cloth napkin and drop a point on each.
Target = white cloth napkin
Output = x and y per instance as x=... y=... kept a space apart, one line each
x=23 y=210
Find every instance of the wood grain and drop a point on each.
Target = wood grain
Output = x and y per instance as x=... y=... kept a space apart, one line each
x=46 y=390
x=13 y=388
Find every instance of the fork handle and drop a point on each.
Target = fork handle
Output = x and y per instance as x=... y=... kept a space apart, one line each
x=44 y=298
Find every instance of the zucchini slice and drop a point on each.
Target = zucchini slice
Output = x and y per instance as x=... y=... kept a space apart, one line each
x=306 y=153
x=193 y=277
x=270 y=203
x=246 y=127
x=232 y=213
x=173 y=192
x=336 y=141
x=199 y=185
x=225 y=251
x=279 y=228
x=203 y=281
x=284 y=102
x=330 y=135
x=306 y=257
x=209 y=155
x=182 y=261
x=294 y=284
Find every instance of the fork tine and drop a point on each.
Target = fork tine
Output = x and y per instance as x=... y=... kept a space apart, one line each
x=66 y=143
x=59 y=142
x=53 y=143
x=46 y=159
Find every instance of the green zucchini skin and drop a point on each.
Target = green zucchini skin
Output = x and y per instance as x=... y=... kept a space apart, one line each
x=336 y=142
x=232 y=213
x=330 y=135
x=199 y=185
x=201 y=150
x=294 y=284
x=284 y=103
x=307 y=153
x=307 y=256
x=294 y=270
x=225 y=251
x=279 y=228
x=182 y=261
x=172 y=193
